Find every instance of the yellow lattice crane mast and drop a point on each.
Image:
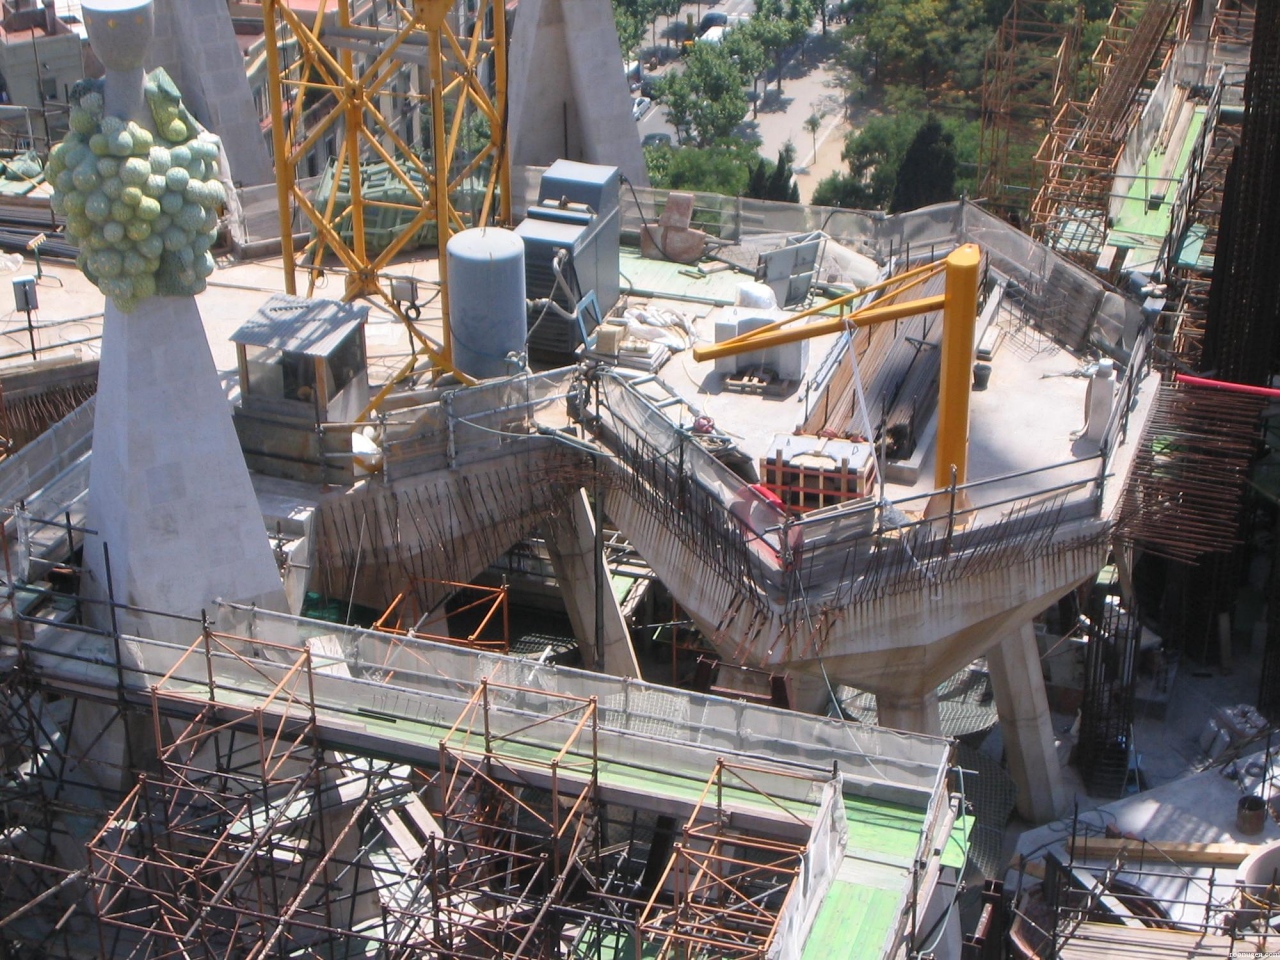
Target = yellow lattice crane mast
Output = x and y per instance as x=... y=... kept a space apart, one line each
x=959 y=306
x=351 y=77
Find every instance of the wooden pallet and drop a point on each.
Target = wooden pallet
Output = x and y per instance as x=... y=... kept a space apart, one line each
x=759 y=380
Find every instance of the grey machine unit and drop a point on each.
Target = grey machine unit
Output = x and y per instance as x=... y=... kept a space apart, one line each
x=577 y=211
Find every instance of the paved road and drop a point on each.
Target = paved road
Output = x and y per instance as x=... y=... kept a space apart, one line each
x=808 y=88
x=655 y=121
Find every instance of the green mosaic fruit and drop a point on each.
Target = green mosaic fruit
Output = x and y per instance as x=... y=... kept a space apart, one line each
x=142 y=206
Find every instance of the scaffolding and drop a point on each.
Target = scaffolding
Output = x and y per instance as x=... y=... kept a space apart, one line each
x=1232 y=23
x=1103 y=896
x=520 y=819
x=251 y=836
x=1198 y=214
x=1030 y=72
x=42 y=791
x=730 y=890
x=234 y=845
x=251 y=840
x=480 y=613
x=1081 y=153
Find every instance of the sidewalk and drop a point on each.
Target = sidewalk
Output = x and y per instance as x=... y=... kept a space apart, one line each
x=814 y=166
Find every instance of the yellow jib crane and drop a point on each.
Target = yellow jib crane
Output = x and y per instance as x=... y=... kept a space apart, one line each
x=959 y=306
x=344 y=81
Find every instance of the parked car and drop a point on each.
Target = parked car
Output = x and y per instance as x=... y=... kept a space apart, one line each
x=714 y=35
x=715 y=18
x=640 y=106
x=656 y=140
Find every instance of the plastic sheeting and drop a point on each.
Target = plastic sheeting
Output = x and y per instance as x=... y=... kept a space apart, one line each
x=649 y=724
x=818 y=868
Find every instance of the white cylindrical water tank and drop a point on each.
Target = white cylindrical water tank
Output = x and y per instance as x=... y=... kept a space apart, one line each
x=487 y=314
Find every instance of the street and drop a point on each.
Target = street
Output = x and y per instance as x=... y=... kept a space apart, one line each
x=809 y=86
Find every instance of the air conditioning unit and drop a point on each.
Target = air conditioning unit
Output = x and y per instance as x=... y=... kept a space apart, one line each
x=577 y=213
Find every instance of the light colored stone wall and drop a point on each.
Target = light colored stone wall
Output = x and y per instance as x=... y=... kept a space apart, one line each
x=568 y=97
x=26 y=65
x=195 y=43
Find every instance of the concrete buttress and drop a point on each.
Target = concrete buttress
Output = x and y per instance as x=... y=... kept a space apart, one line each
x=1018 y=683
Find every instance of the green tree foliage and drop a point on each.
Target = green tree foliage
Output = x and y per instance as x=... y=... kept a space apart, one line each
x=813 y=124
x=780 y=25
x=849 y=64
x=927 y=172
x=745 y=48
x=774 y=181
x=876 y=154
x=724 y=168
x=922 y=41
x=931 y=44
x=705 y=102
x=632 y=18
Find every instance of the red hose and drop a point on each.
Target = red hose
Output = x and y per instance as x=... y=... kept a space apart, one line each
x=1229 y=387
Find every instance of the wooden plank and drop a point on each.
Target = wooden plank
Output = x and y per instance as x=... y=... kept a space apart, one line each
x=1105 y=941
x=1216 y=854
x=399 y=833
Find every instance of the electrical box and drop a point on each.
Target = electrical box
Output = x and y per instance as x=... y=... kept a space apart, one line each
x=404 y=289
x=24 y=293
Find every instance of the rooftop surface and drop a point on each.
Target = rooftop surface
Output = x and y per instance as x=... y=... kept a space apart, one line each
x=1027 y=419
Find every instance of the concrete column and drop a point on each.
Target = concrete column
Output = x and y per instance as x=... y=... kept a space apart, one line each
x=580 y=108
x=917 y=714
x=195 y=42
x=808 y=694
x=571 y=541
x=1018 y=683
x=169 y=492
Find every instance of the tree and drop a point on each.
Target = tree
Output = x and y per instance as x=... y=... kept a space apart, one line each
x=927 y=173
x=780 y=25
x=841 y=190
x=813 y=125
x=850 y=63
x=632 y=18
x=723 y=168
x=744 y=48
x=880 y=175
x=782 y=185
x=705 y=102
x=774 y=181
x=758 y=185
x=873 y=154
x=922 y=40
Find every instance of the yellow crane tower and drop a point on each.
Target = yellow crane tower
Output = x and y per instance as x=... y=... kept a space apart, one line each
x=338 y=70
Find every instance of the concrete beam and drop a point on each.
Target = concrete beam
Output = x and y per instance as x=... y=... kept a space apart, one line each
x=571 y=542
x=807 y=693
x=917 y=714
x=1018 y=683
